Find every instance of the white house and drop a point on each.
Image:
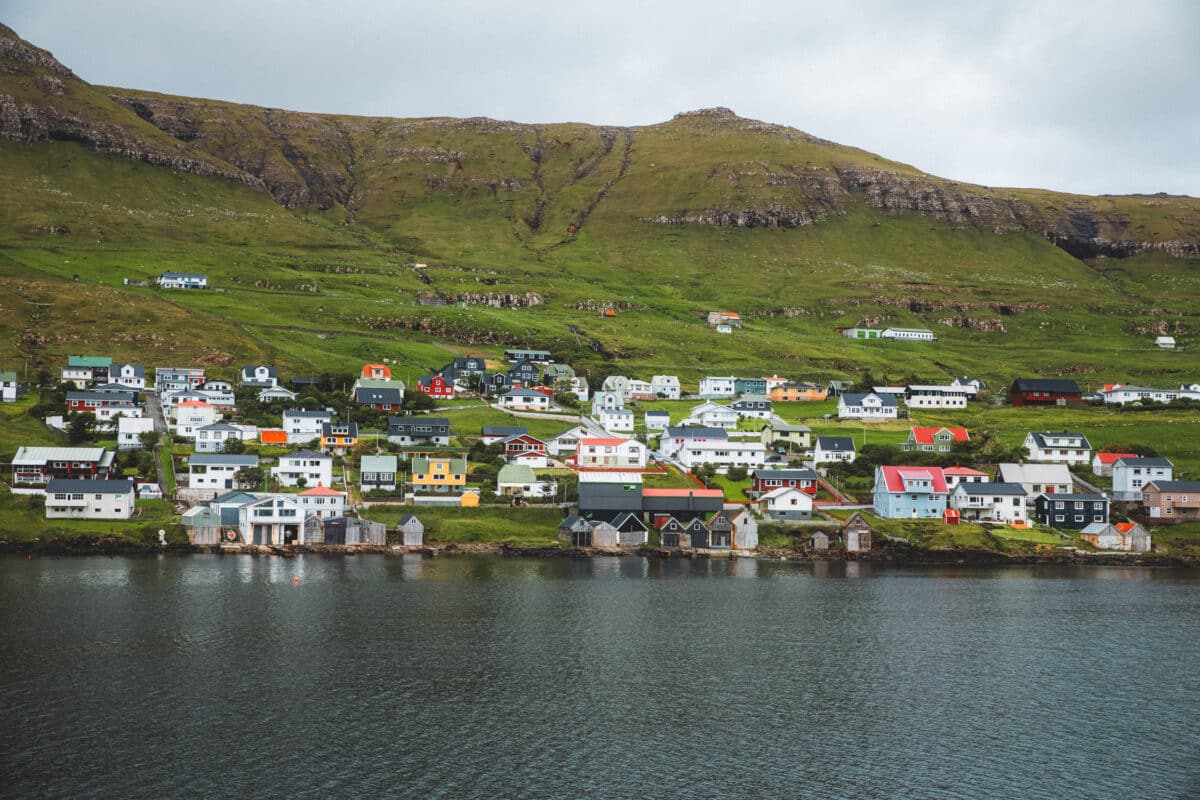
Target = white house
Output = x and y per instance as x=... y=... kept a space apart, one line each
x=752 y=406
x=132 y=376
x=869 y=407
x=320 y=501
x=315 y=468
x=956 y=475
x=617 y=453
x=83 y=499
x=1003 y=503
x=183 y=280
x=616 y=384
x=8 y=387
x=639 y=390
x=130 y=430
x=1037 y=479
x=1059 y=448
x=785 y=504
x=260 y=375
x=714 y=415
x=657 y=420
x=1129 y=475
x=272 y=520
x=191 y=415
x=519 y=480
x=605 y=399
x=525 y=400
x=1165 y=342
x=908 y=334
x=1120 y=394
x=567 y=442
x=304 y=426
x=937 y=396
x=665 y=386
x=833 y=449
x=273 y=394
x=675 y=439
x=579 y=388
x=714 y=387
x=616 y=420
x=722 y=454
x=217 y=470
x=108 y=417
x=212 y=438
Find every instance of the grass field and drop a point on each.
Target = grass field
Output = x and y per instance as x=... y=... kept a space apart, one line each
x=528 y=526
x=22 y=518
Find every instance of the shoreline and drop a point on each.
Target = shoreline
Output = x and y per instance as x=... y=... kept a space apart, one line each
x=897 y=556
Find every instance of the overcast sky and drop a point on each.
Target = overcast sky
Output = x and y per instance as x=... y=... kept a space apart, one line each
x=1089 y=97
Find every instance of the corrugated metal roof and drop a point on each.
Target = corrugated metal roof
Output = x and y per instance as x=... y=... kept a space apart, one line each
x=36 y=456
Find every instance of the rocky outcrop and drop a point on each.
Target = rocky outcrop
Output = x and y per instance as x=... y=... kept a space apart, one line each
x=769 y=217
x=14 y=50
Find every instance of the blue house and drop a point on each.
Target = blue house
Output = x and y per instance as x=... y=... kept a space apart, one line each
x=910 y=492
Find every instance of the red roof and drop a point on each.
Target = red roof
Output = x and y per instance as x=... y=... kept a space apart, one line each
x=962 y=471
x=925 y=435
x=321 y=491
x=603 y=442
x=894 y=478
x=1111 y=458
x=1125 y=527
x=195 y=404
x=369 y=369
x=682 y=493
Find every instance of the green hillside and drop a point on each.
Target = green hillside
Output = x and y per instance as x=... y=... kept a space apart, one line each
x=310 y=228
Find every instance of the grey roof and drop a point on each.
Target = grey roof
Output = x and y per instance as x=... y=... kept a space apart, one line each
x=373 y=397
x=574 y=522
x=524 y=393
x=1177 y=486
x=1073 y=497
x=237 y=497
x=138 y=370
x=843 y=443
x=407 y=519
x=401 y=423
x=610 y=496
x=1052 y=385
x=219 y=426
x=786 y=474
x=1040 y=438
x=696 y=432
x=184 y=275
x=853 y=398
x=36 y=456
x=125 y=395
x=306 y=454
x=653 y=413
x=253 y=368
x=94 y=487
x=991 y=488
x=301 y=413
x=1144 y=462
x=1097 y=527
x=339 y=429
x=211 y=459
x=504 y=430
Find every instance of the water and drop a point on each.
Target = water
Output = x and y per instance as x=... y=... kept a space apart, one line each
x=491 y=678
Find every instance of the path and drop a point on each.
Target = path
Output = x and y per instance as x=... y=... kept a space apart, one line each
x=154 y=410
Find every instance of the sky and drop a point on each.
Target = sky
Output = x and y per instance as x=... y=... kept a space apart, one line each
x=1091 y=97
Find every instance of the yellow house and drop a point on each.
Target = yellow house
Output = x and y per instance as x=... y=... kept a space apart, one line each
x=797 y=392
x=469 y=499
x=438 y=474
x=338 y=436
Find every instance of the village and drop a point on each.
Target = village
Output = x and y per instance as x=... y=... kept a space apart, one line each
x=250 y=460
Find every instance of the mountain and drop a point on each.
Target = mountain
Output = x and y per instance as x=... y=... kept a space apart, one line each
x=312 y=225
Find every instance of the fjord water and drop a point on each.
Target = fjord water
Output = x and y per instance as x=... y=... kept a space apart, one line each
x=486 y=677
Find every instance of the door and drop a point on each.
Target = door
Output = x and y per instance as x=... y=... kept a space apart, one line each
x=700 y=539
x=581 y=538
x=670 y=540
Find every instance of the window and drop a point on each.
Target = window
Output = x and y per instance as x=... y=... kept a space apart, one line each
x=1059 y=518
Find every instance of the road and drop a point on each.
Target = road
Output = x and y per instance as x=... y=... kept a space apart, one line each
x=154 y=411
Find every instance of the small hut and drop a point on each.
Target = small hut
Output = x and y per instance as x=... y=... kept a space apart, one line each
x=575 y=531
x=819 y=541
x=203 y=525
x=856 y=533
x=745 y=529
x=412 y=531
x=605 y=535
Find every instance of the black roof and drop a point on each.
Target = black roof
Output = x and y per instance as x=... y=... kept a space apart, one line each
x=1052 y=385
x=990 y=488
x=379 y=397
x=835 y=442
x=95 y=487
x=404 y=423
x=785 y=474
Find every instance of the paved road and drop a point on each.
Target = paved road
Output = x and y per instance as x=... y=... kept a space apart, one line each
x=154 y=410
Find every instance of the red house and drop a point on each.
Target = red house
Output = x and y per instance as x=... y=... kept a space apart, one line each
x=521 y=444
x=436 y=386
x=1044 y=392
x=377 y=372
x=768 y=480
x=91 y=401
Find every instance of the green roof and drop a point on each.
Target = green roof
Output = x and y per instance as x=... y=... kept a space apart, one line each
x=8 y=377
x=516 y=473
x=89 y=361
x=378 y=464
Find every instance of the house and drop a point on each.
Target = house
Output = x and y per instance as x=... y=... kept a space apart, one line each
x=217 y=471
x=259 y=376
x=557 y=375
x=683 y=504
x=212 y=438
x=1102 y=463
x=869 y=407
x=177 y=379
x=8 y=386
x=492 y=434
x=713 y=415
x=132 y=376
x=605 y=399
x=275 y=520
x=781 y=436
x=423 y=431
x=908 y=335
x=1131 y=474
x=1037 y=479
x=203 y=525
x=183 y=280
x=1121 y=536
x=376 y=372
x=716 y=387
x=730 y=318
x=108 y=417
x=860 y=333
x=217 y=392
x=536 y=356
x=768 y=480
x=524 y=449
x=936 y=396
x=304 y=426
x=639 y=390
x=89 y=499
x=309 y=466
x=338 y=436
x=838 y=388
x=616 y=420
x=1002 y=503
x=436 y=387
x=753 y=386
x=1058 y=448
x=79 y=402
x=1070 y=511
x=631 y=529
x=85 y=370
x=722 y=454
x=276 y=394
x=1044 y=392
x=412 y=531
x=670 y=531
x=677 y=437
x=1122 y=394
x=321 y=501
x=665 y=386
x=1172 y=501
x=519 y=480
x=720 y=531
x=657 y=420
x=910 y=492
x=1165 y=342
x=524 y=374
x=929 y=440
x=832 y=449
x=190 y=416
x=377 y=473
x=856 y=534
x=616 y=384
x=525 y=400
x=745 y=527
x=566 y=442
x=610 y=453
x=752 y=406
x=606 y=495
x=579 y=388
x=495 y=383
x=575 y=531
x=957 y=474
x=301 y=382
x=786 y=504
x=130 y=430
x=462 y=369
x=438 y=474
x=353 y=530
x=381 y=395
x=797 y=393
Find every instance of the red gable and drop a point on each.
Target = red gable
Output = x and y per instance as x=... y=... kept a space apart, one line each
x=925 y=435
x=894 y=478
x=1111 y=458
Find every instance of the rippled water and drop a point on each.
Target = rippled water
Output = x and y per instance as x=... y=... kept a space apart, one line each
x=493 y=678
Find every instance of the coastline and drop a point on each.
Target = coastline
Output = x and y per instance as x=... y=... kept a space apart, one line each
x=898 y=556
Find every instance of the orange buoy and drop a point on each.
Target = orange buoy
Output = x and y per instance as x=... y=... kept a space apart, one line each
x=296 y=580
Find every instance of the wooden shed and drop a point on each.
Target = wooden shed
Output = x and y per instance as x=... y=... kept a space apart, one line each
x=605 y=535
x=819 y=541
x=412 y=531
x=856 y=533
